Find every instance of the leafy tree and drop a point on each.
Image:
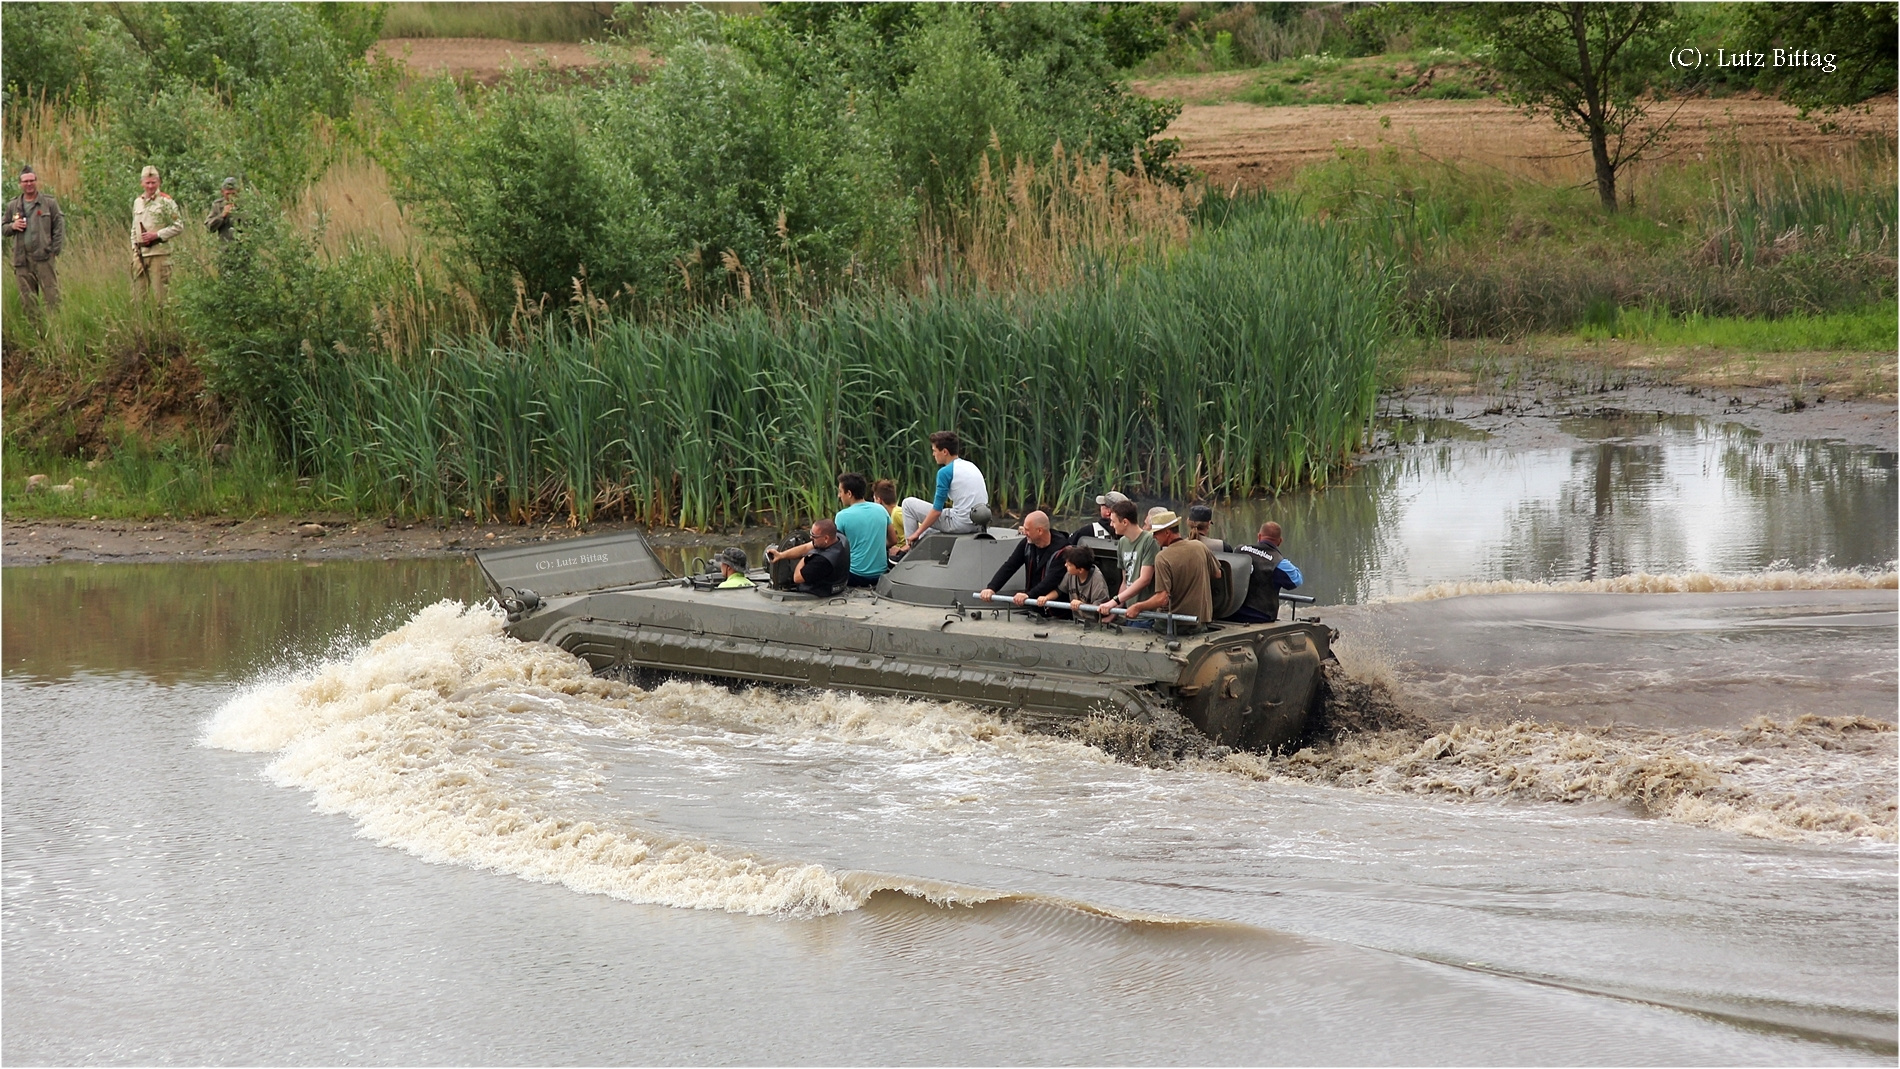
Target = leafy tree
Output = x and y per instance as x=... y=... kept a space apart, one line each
x=1862 y=38
x=1133 y=32
x=61 y=50
x=275 y=306
x=1587 y=65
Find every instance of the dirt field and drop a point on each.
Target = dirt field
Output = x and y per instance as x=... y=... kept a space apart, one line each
x=484 y=59
x=1253 y=146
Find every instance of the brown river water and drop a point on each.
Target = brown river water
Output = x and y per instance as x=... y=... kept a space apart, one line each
x=285 y=813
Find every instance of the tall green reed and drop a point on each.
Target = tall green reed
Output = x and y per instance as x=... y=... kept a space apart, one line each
x=1243 y=361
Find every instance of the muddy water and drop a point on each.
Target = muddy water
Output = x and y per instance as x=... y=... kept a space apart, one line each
x=277 y=813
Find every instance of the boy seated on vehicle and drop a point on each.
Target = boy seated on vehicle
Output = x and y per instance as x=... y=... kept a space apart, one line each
x=1082 y=584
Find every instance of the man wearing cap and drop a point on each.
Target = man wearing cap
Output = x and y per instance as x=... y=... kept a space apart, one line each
x=155 y=222
x=1104 y=527
x=223 y=220
x=38 y=230
x=1185 y=571
x=1272 y=573
x=1199 y=519
x=732 y=563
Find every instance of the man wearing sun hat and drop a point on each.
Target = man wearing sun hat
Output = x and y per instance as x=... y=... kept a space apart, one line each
x=38 y=230
x=1185 y=571
x=732 y=565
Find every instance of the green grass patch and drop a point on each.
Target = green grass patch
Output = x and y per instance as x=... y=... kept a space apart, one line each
x=1322 y=79
x=1744 y=233
x=1872 y=329
x=506 y=22
x=141 y=481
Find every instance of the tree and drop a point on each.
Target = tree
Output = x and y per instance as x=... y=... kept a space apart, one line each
x=1588 y=65
x=1858 y=39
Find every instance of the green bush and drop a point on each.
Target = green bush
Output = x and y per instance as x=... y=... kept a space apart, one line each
x=275 y=308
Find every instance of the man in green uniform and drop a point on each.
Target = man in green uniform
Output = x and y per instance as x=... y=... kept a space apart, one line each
x=223 y=220
x=38 y=230
x=155 y=222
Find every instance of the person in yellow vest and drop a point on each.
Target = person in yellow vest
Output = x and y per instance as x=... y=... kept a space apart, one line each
x=732 y=565
x=884 y=492
x=155 y=222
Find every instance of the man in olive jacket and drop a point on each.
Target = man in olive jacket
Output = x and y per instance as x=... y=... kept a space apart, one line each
x=38 y=230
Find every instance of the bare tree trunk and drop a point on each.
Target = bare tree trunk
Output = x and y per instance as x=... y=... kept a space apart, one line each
x=1595 y=86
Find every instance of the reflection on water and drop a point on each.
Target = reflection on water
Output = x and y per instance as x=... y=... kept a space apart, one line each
x=174 y=621
x=1644 y=495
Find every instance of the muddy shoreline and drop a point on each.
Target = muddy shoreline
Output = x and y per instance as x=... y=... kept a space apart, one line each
x=1530 y=416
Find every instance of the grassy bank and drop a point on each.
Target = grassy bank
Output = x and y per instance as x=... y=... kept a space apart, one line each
x=1741 y=232
x=1244 y=362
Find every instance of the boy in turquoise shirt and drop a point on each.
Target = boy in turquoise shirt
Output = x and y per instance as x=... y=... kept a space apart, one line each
x=866 y=527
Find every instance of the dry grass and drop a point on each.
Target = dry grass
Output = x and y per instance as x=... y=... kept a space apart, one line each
x=354 y=203
x=1038 y=226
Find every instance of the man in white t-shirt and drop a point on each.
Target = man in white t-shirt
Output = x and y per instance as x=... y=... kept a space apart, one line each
x=960 y=490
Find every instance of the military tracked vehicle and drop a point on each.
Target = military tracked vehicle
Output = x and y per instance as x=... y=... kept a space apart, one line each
x=924 y=632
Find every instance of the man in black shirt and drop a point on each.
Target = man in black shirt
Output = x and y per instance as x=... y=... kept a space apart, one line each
x=1040 y=552
x=825 y=570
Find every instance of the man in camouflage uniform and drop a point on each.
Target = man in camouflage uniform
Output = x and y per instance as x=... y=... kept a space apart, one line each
x=223 y=220
x=38 y=230
x=155 y=221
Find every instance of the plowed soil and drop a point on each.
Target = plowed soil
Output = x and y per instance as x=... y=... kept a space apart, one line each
x=1252 y=146
x=483 y=59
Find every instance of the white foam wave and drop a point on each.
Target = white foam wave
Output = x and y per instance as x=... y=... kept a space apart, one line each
x=1666 y=583
x=433 y=739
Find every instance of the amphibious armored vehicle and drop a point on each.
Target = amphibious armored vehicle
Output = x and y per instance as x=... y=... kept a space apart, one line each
x=923 y=632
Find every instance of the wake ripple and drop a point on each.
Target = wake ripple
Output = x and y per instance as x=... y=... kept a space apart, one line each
x=1666 y=583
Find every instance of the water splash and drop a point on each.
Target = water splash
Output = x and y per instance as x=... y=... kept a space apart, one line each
x=1810 y=778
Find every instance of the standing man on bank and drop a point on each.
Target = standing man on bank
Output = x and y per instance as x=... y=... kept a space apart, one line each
x=155 y=222
x=223 y=220
x=38 y=230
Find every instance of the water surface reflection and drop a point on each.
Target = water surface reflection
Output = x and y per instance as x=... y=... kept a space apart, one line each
x=1641 y=495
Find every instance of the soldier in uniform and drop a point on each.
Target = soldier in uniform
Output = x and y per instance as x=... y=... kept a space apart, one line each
x=155 y=221
x=38 y=230
x=223 y=220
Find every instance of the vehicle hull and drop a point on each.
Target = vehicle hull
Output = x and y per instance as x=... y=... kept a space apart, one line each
x=1245 y=686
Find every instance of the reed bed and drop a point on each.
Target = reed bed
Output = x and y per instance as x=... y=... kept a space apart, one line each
x=1242 y=362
